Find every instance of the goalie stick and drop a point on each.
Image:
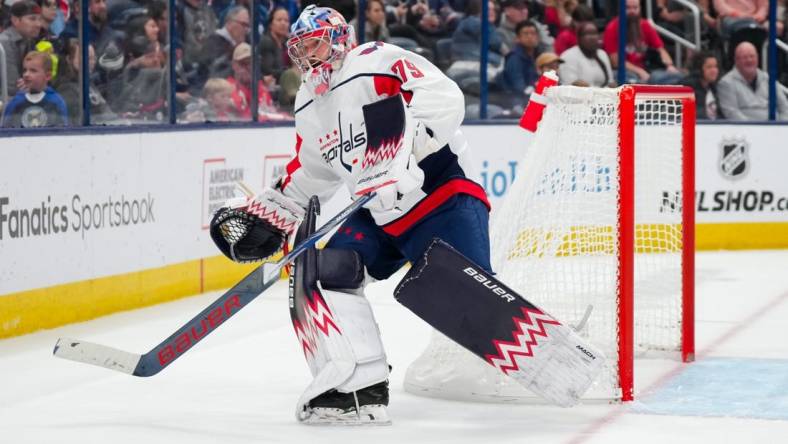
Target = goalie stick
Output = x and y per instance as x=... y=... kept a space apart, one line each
x=226 y=306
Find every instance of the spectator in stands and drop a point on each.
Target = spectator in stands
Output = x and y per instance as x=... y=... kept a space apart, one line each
x=53 y=20
x=262 y=12
x=585 y=64
x=292 y=7
x=548 y=61
x=196 y=22
x=218 y=95
x=215 y=56
x=558 y=14
x=434 y=19
x=144 y=83
x=36 y=104
x=703 y=78
x=99 y=32
x=241 y=81
x=672 y=16
x=519 y=73
x=157 y=9
x=567 y=38
x=744 y=90
x=5 y=16
x=467 y=38
x=146 y=27
x=273 y=45
x=514 y=12
x=646 y=57
x=69 y=86
x=18 y=40
x=109 y=70
x=375 y=28
x=738 y=14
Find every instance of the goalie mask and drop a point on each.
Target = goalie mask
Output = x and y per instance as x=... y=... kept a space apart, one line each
x=319 y=41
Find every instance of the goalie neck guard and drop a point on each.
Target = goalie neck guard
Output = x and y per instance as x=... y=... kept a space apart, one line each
x=318 y=43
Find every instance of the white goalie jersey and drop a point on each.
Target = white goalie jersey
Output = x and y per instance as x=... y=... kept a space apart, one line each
x=331 y=135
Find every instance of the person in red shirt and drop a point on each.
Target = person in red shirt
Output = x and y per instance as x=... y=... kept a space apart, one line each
x=568 y=37
x=241 y=80
x=644 y=47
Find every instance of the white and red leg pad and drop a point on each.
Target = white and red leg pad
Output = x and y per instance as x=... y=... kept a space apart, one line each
x=341 y=343
x=468 y=305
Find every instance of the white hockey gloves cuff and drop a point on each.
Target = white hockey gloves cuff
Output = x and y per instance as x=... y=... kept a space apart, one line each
x=389 y=166
x=253 y=229
x=273 y=207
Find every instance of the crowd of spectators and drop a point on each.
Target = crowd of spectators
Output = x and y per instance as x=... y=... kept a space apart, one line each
x=129 y=52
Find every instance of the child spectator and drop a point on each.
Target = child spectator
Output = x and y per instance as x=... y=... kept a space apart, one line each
x=585 y=64
x=547 y=61
x=36 y=104
x=218 y=94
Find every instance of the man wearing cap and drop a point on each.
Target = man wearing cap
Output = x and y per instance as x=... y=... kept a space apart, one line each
x=18 y=40
x=241 y=80
x=514 y=12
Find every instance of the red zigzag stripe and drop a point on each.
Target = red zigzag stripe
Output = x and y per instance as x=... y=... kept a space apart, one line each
x=256 y=208
x=387 y=150
x=525 y=338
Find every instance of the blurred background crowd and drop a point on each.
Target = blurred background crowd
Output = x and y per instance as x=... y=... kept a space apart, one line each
x=715 y=46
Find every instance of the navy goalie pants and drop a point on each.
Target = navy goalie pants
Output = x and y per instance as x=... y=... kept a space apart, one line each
x=462 y=221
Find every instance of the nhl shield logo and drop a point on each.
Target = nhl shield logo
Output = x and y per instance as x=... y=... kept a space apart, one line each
x=734 y=162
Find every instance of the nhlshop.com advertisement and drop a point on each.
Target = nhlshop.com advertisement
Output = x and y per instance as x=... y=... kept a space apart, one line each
x=740 y=173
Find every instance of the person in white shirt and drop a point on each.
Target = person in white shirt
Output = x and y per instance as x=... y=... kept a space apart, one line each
x=586 y=64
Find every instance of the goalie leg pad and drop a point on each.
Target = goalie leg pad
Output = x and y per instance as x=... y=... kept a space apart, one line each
x=480 y=313
x=341 y=343
x=336 y=329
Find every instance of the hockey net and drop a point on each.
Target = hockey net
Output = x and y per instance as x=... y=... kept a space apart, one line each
x=600 y=215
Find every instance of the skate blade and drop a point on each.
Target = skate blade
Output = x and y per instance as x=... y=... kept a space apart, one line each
x=370 y=416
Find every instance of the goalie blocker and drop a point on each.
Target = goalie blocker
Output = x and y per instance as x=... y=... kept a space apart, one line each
x=474 y=309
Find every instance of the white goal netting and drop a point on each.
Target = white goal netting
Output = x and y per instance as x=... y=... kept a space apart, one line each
x=555 y=238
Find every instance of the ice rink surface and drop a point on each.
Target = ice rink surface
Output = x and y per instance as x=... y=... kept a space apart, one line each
x=241 y=383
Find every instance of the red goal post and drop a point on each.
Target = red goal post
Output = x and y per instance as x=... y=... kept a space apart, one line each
x=629 y=96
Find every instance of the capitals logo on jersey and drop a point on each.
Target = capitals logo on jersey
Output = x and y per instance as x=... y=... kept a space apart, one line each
x=340 y=144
